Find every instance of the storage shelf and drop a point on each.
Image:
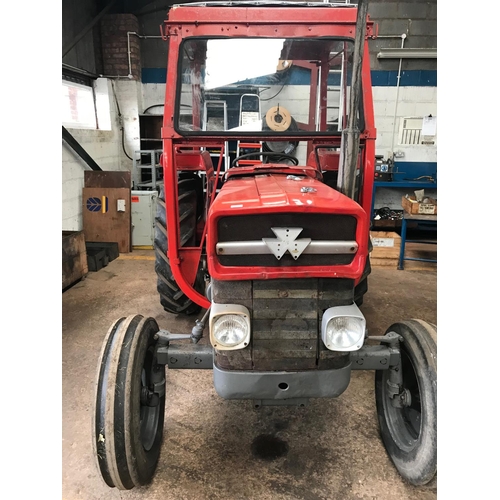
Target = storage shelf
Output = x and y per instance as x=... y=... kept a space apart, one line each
x=142 y=164
x=150 y=140
x=398 y=184
x=406 y=184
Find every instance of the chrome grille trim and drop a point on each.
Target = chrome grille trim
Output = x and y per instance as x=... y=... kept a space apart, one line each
x=260 y=247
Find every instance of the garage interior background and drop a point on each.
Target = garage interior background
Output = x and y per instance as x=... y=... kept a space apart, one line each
x=417 y=96
x=114 y=59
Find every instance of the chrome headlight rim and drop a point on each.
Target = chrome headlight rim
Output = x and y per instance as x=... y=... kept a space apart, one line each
x=350 y=312
x=217 y=313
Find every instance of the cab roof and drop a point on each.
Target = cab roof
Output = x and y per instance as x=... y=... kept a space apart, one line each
x=265 y=3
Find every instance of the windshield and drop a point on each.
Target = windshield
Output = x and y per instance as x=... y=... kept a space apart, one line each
x=264 y=85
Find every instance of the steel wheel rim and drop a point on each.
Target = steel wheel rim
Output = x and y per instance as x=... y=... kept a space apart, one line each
x=405 y=424
x=149 y=415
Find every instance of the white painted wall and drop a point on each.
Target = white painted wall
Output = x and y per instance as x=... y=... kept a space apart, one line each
x=412 y=101
x=130 y=102
x=133 y=98
x=104 y=146
x=153 y=93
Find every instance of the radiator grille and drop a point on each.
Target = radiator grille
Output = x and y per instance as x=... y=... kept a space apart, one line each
x=329 y=227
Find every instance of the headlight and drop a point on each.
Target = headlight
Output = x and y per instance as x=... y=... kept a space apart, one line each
x=343 y=328
x=229 y=326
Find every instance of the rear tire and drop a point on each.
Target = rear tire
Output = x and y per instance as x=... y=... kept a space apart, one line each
x=410 y=433
x=172 y=298
x=129 y=406
x=362 y=288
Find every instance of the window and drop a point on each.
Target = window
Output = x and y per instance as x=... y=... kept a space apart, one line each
x=86 y=106
x=293 y=85
x=78 y=106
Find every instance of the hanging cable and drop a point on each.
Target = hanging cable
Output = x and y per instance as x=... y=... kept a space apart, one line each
x=120 y=120
x=153 y=106
x=269 y=98
x=286 y=82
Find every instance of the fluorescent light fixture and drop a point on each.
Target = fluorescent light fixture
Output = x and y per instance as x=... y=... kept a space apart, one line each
x=402 y=53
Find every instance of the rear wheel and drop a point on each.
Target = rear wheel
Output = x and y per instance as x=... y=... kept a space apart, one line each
x=172 y=298
x=362 y=288
x=409 y=432
x=129 y=406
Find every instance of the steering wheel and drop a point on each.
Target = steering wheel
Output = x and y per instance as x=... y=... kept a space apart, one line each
x=265 y=153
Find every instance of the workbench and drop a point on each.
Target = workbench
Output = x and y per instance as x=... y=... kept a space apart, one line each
x=399 y=184
x=424 y=220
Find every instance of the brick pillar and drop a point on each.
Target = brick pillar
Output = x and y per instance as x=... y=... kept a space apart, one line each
x=114 y=28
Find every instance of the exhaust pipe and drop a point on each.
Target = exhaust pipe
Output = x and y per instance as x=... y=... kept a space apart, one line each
x=350 y=136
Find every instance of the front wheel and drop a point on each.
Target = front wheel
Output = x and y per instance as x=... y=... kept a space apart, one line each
x=129 y=406
x=409 y=429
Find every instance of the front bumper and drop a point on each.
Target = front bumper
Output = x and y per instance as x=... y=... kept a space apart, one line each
x=281 y=385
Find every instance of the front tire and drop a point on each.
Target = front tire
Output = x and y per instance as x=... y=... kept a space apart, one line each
x=410 y=433
x=129 y=406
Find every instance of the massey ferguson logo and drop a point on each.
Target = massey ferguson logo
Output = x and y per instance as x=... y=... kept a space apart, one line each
x=287 y=241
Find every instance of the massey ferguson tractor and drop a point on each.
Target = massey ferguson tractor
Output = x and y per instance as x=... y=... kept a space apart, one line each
x=262 y=233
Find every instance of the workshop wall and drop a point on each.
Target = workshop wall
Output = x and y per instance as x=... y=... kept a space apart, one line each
x=417 y=93
x=416 y=96
x=112 y=148
x=104 y=146
x=417 y=19
x=120 y=52
x=412 y=102
x=75 y=16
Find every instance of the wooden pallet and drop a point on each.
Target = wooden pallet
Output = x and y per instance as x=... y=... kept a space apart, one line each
x=386 y=245
x=74 y=258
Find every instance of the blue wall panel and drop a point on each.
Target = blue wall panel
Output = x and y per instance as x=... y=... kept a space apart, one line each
x=417 y=78
x=154 y=75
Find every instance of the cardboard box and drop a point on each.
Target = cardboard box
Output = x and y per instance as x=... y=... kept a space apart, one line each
x=386 y=246
x=413 y=207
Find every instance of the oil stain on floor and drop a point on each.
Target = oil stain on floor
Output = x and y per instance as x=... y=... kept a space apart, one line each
x=269 y=447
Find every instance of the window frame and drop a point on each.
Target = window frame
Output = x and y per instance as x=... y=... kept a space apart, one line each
x=298 y=134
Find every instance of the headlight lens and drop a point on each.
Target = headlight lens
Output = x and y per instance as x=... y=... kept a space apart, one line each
x=344 y=332
x=230 y=329
x=343 y=328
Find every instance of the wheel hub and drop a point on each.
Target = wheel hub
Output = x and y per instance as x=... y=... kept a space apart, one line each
x=149 y=398
x=404 y=398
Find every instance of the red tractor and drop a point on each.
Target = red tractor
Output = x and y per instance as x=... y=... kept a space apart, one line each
x=268 y=158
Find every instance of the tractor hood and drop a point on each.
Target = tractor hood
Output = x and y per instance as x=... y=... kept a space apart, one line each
x=279 y=192
x=276 y=225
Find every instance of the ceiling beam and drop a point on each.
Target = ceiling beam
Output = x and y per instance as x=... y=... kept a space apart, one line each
x=87 y=28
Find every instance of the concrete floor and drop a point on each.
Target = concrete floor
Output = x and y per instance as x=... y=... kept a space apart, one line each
x=331 y=448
